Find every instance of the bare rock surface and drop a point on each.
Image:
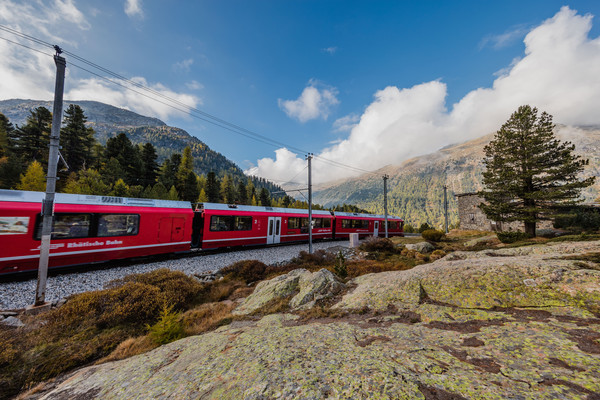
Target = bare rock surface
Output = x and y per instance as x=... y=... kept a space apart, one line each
x=305 y=287
x=463 y=327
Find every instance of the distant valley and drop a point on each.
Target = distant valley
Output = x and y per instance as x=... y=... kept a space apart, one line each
x=415 y=187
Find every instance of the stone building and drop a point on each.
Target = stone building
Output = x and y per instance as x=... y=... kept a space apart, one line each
x=471 y=217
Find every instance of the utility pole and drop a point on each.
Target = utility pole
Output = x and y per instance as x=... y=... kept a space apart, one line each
x=310 y=246
x=385 y=178
x=446 y=207
x=48 y=203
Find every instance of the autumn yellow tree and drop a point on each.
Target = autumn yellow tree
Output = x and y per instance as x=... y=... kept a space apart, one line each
x=34 y=178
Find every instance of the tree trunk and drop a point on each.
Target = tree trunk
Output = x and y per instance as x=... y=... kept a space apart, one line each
x=530 y=228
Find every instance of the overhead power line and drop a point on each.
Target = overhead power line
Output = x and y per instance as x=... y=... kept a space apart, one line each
x=171 y=102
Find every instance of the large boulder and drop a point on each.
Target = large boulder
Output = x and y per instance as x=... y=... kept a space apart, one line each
x=421 y=247
x=303 y=287
x=535 y=276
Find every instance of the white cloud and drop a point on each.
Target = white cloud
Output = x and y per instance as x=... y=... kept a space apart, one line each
x=504 y=39
x=331 y=50
x=558 y=73
x=184 y=65
x=313 y=103
x=345 y=124
x=194 y=85
x=133 y=8
x=26 y=74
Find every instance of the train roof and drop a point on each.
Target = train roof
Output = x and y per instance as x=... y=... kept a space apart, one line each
x=65 y=198
x=239 y=207
x=360 y=215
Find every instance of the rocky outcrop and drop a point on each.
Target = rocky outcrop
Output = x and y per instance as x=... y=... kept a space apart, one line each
x=512 y=323
x=305 y=287
x=421 y=247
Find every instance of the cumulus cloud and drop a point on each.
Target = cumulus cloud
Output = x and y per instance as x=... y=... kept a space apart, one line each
x=133 y=8
x=30 y=75
x=313 y=103
x=558 y=73
x=345 y=124
x=330 y=50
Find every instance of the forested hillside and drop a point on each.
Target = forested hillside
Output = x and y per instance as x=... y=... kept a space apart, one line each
x=415 y=188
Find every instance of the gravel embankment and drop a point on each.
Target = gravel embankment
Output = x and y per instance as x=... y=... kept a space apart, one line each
x=15 y=295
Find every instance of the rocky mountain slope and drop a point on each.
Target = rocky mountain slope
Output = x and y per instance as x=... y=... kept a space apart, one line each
x=495 y=324
x=108 y=121
x=415 y=187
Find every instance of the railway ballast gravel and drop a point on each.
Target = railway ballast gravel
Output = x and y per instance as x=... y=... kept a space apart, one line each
x=16 y=295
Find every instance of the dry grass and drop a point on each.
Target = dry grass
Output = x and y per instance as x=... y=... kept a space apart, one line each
x=207 y=317
x=129 y=348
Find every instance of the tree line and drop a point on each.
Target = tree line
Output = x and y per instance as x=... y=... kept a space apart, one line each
x=120 y=168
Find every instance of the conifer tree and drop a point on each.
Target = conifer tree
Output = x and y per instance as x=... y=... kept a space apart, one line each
x=529 y=173
x=6 y=129
x=227 y=190
x=120 y=189
x=89 y=182
x=31 y=140
x=190 y=188
x=212 y=188
x=76 y=139
x=159 y=191
x=264 y=197
x=128 y=156
x=149 y=165
x=202 y=198
x=242 y=193
x=34 y=178
x=173 y=195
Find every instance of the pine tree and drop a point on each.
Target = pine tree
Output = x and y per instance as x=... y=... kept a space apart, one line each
x=31 y=140
x=190 y=188
x=168 y=170
x=128 y=156
x=76 y=140
x=264 y=197
x=149 y=165
x=6 y=129
x=120 y=189
x=159 y=191
x=242 y=193
x=202 y=198
x=184 y=168
x=34 y=178
x=173 y=195
x=530 y=174
x=212 y=188
x=227 y=190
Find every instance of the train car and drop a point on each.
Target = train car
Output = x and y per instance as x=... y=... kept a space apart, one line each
x=223 y=225
x=366 y=225
x=89 y=229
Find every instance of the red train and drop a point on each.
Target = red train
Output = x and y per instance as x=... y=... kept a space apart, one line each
x=90 y=229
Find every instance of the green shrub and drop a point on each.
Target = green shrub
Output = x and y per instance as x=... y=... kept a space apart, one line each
x=373 y=244
x=408 y=228
x=580 y=219
x=248 y=270
x=433 y=235
x=511 y=237
x=424 y=227
x=168 y=328
x=177 y=288
x=340 y=266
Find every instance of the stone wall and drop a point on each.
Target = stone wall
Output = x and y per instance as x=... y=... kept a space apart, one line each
x=472 y=218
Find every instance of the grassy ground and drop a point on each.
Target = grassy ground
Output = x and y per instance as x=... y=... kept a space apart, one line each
x=141 y=312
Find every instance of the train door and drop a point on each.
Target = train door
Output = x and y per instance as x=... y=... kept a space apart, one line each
x=171 y=230
x=376 y=229
x=274 y=230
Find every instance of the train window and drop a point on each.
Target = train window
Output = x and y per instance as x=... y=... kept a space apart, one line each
x=326 y=222
x=294 y=223
x=118 y=224
x=230 y=223
x=243 y=223
x=67 y=226
x=221 y=223
x=13 y=225
x=355 y=224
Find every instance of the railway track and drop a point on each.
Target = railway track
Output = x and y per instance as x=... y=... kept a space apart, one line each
x=17 y=292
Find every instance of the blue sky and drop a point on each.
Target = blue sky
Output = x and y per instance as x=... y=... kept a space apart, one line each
x=366 y=83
